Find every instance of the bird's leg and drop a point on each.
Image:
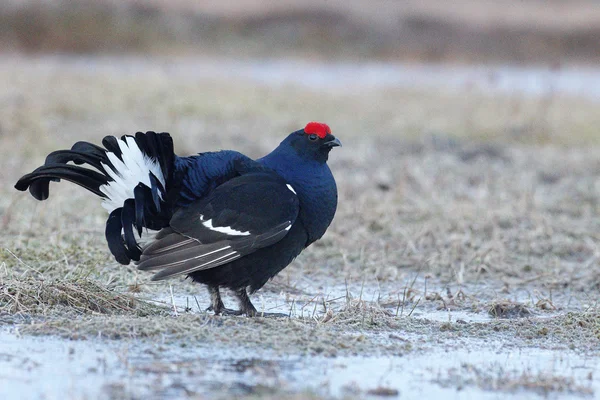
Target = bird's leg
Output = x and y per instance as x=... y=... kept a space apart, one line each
x=216 y=304
x=248 y=309
x=245 y=303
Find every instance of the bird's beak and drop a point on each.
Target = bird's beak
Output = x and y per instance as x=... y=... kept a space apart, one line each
x=332 y=141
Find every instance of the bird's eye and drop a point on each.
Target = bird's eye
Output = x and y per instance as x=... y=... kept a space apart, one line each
x=313 y=136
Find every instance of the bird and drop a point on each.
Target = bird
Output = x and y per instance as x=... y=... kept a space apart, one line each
x=221 y=218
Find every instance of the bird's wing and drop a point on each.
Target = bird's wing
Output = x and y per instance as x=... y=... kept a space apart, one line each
x=242 y=215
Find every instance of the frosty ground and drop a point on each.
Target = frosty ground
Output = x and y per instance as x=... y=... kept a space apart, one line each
x=463 y=261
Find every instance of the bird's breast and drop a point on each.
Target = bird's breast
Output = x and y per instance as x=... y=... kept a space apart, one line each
x=317 y=208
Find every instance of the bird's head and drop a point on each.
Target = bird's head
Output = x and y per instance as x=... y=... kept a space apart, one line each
x=314 y=142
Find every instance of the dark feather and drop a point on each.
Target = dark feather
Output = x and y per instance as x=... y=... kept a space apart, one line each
x=192 y=265
x=259 y=206
x=111 y=144
x=168 y=242
x=127 y=221
x=166 y=156
x=95 y=150
x=177 y=255
x=160 y=147
x=156 y=186
x=255 y=203
x=253 y=242
x=184 y=257
x=65 y=156
x=142 y=141
x=139 y=197
x=164 y=232
x=114 y=239
x=148 y=207
x=87 y=147
x=87 y=178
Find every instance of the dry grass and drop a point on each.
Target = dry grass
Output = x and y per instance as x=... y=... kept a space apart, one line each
x=32 y=296
x=366 y=332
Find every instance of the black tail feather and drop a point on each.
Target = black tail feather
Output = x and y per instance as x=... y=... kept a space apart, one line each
x=93 y=150
x=139 y=197
x=78 y=157
x=127 y=221
x=111 y=144
x=156 y=187
x=38 y=181
x=150 y=207
x=114 y=238
x=159 y=145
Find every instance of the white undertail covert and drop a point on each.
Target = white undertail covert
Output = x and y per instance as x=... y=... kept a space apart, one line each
x=127 y=174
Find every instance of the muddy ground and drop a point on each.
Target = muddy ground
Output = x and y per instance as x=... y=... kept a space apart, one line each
x=463 y=261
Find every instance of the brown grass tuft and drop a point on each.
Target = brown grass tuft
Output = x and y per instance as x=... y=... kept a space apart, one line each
x=508 y=309
x=34 y=297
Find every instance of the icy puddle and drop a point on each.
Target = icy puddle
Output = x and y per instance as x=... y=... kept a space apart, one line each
x=53 y=368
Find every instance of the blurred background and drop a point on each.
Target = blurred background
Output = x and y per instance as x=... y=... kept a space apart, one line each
x=504 y=71
x=480 y=69
x=479 y=31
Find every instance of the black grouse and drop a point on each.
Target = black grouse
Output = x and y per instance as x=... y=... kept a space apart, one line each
x=222 y=218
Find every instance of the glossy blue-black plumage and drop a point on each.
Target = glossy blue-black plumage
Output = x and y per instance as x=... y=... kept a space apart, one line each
x=304 y=168
x=201 y=173
x=311 y=178
x=232 y=227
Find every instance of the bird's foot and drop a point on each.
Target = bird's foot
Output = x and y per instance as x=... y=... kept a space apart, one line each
x=249 y=312
x=216 y=304
x=246 y=306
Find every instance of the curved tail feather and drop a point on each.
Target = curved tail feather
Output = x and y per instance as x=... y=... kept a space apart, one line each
x=38 y=181
x=133 y=175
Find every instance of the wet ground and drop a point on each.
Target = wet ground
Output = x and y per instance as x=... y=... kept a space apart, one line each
x=100 y=368
x=413 y=358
